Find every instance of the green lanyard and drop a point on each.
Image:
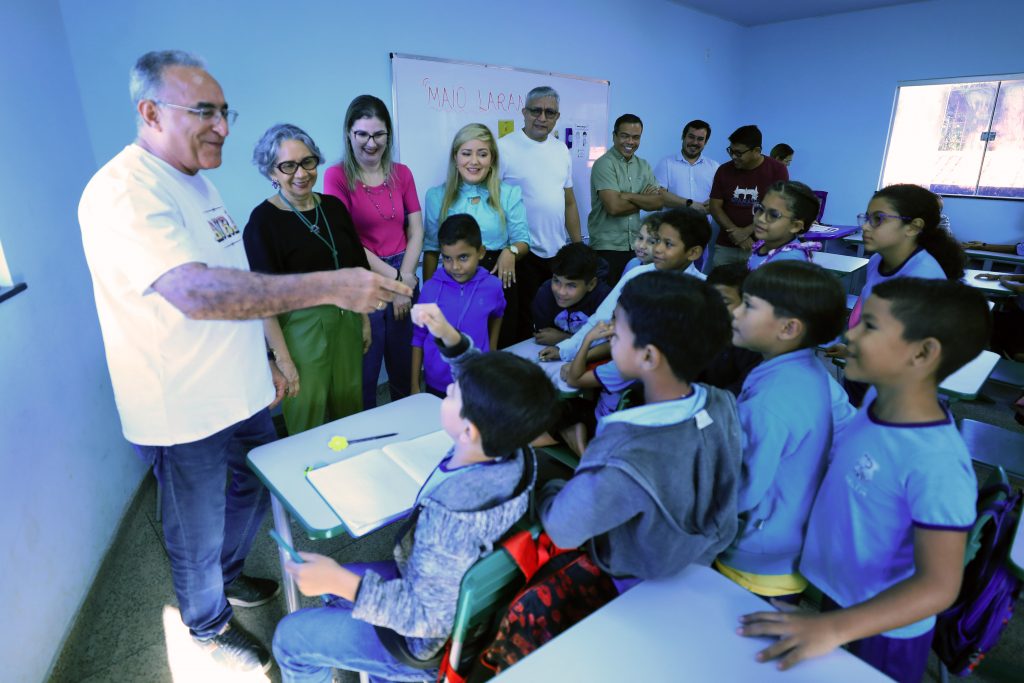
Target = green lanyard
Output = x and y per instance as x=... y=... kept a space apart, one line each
x=314 y=227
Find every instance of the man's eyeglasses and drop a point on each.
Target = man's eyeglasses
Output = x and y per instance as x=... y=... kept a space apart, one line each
x=877 y=218
x=205 y=113
x=772 y=214
x=362 y=137
x=290 y=167
x=535 y=112
x=736 y=153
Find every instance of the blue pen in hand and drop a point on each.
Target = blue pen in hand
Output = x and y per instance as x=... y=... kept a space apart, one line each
x=285 y=546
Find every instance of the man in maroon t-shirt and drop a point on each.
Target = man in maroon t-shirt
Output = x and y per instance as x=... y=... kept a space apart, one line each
x=738 y=185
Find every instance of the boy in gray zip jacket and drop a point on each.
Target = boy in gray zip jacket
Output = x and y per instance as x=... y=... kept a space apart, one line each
x=496 y=406
x=656 y=488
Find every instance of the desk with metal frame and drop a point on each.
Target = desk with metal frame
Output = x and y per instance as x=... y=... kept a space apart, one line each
x=281 y=465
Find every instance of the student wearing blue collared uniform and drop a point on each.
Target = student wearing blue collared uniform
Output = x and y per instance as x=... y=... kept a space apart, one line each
x=788 y=211
x=656 y=489
x=474 y=187
x=902 y=234
x=788 y=308
x=886 y=536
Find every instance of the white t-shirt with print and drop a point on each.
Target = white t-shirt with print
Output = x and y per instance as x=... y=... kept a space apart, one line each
x=175 y=380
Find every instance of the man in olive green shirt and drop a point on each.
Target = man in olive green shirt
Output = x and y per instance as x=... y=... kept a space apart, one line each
x=621 y=185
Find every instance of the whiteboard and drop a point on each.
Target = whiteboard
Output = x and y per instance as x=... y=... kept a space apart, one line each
x=433 y=98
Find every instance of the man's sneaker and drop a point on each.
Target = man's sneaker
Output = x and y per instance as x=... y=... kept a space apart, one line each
x=235 y=649
x=249 y=591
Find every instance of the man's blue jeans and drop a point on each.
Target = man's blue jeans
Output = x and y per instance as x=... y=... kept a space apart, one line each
x=209 y=526
x=310 y=642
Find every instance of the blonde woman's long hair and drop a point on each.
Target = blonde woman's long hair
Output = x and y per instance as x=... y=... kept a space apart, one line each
x=473 y=131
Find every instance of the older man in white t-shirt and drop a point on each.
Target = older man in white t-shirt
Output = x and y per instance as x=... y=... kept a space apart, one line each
x=180 y=316
x=540 y=164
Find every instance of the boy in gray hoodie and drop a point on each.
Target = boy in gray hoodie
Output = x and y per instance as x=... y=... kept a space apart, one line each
x=656 y=488
x=497 y=404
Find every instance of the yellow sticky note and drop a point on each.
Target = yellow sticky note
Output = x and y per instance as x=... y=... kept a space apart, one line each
x=337 y=443
x=506 y=126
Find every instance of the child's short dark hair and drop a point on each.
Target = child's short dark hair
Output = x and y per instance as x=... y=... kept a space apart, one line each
x=693 y=228
x=681 y=316
x=460 y=226
x=729 y=274
x=951 y=312
x=575 y=261
x=781 y=151
x=805 y=291
x=509 y=399
x=652 y=221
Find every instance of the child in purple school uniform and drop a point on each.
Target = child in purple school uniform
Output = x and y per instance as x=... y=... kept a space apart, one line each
x=886 y=536
x=469 y=296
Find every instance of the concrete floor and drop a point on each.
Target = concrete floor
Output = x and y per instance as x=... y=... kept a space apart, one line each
x=129 y=630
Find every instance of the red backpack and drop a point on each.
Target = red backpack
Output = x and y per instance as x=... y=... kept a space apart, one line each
x=561 y=588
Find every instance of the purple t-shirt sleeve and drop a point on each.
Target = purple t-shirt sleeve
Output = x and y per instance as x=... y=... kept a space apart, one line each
x=497 y=297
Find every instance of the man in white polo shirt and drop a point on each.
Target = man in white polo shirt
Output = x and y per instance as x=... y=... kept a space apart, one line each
x=539 y=163
x=180 y=315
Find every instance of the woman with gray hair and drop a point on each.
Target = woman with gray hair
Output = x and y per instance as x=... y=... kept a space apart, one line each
x=318 y=350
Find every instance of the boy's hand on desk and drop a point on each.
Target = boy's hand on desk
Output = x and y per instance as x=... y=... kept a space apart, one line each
x=549 y=353
x=320 y=574
x=431 y=317
x=801 y=635
x=550 y=336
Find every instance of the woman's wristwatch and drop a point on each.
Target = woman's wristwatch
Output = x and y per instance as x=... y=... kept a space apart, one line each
x=514 y=249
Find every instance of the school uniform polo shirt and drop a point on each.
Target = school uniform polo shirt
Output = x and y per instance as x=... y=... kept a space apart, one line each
x=884 y=481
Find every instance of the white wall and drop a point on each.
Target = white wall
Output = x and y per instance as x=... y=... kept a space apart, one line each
x=829 y=92
x=67 y=474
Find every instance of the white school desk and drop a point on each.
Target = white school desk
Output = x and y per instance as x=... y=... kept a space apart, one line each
x=840 y=264
x=529 y=349
x=993 y=288
x=677 y=629
x=965 y=383
x=281 y=465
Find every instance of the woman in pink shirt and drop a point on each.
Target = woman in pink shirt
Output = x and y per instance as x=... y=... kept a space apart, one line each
x=381 y=197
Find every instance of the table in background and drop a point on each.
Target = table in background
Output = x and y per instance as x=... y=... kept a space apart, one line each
x=529 y=349
x=965 y=383
x=829 y=232
x=281 y=465
x=678 y=629
x=992 y=288
x=839 y=264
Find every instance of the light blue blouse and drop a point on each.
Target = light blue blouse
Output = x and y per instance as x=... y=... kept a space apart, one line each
x=495 y=234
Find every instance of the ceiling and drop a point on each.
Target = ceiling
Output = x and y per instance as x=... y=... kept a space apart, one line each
x=758 y=12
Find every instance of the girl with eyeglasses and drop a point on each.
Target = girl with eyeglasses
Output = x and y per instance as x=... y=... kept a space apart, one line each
x=319 y=350
x=381 y=196
x=902 y=234
x=788 y=210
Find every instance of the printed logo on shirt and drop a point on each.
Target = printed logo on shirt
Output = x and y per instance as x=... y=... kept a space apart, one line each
x=745 y=196
x=863 y=473
x=570 y=322
x=223 y=228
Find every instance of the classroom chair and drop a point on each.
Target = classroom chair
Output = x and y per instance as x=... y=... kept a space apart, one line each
x=488 y=587
x=994 y=446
